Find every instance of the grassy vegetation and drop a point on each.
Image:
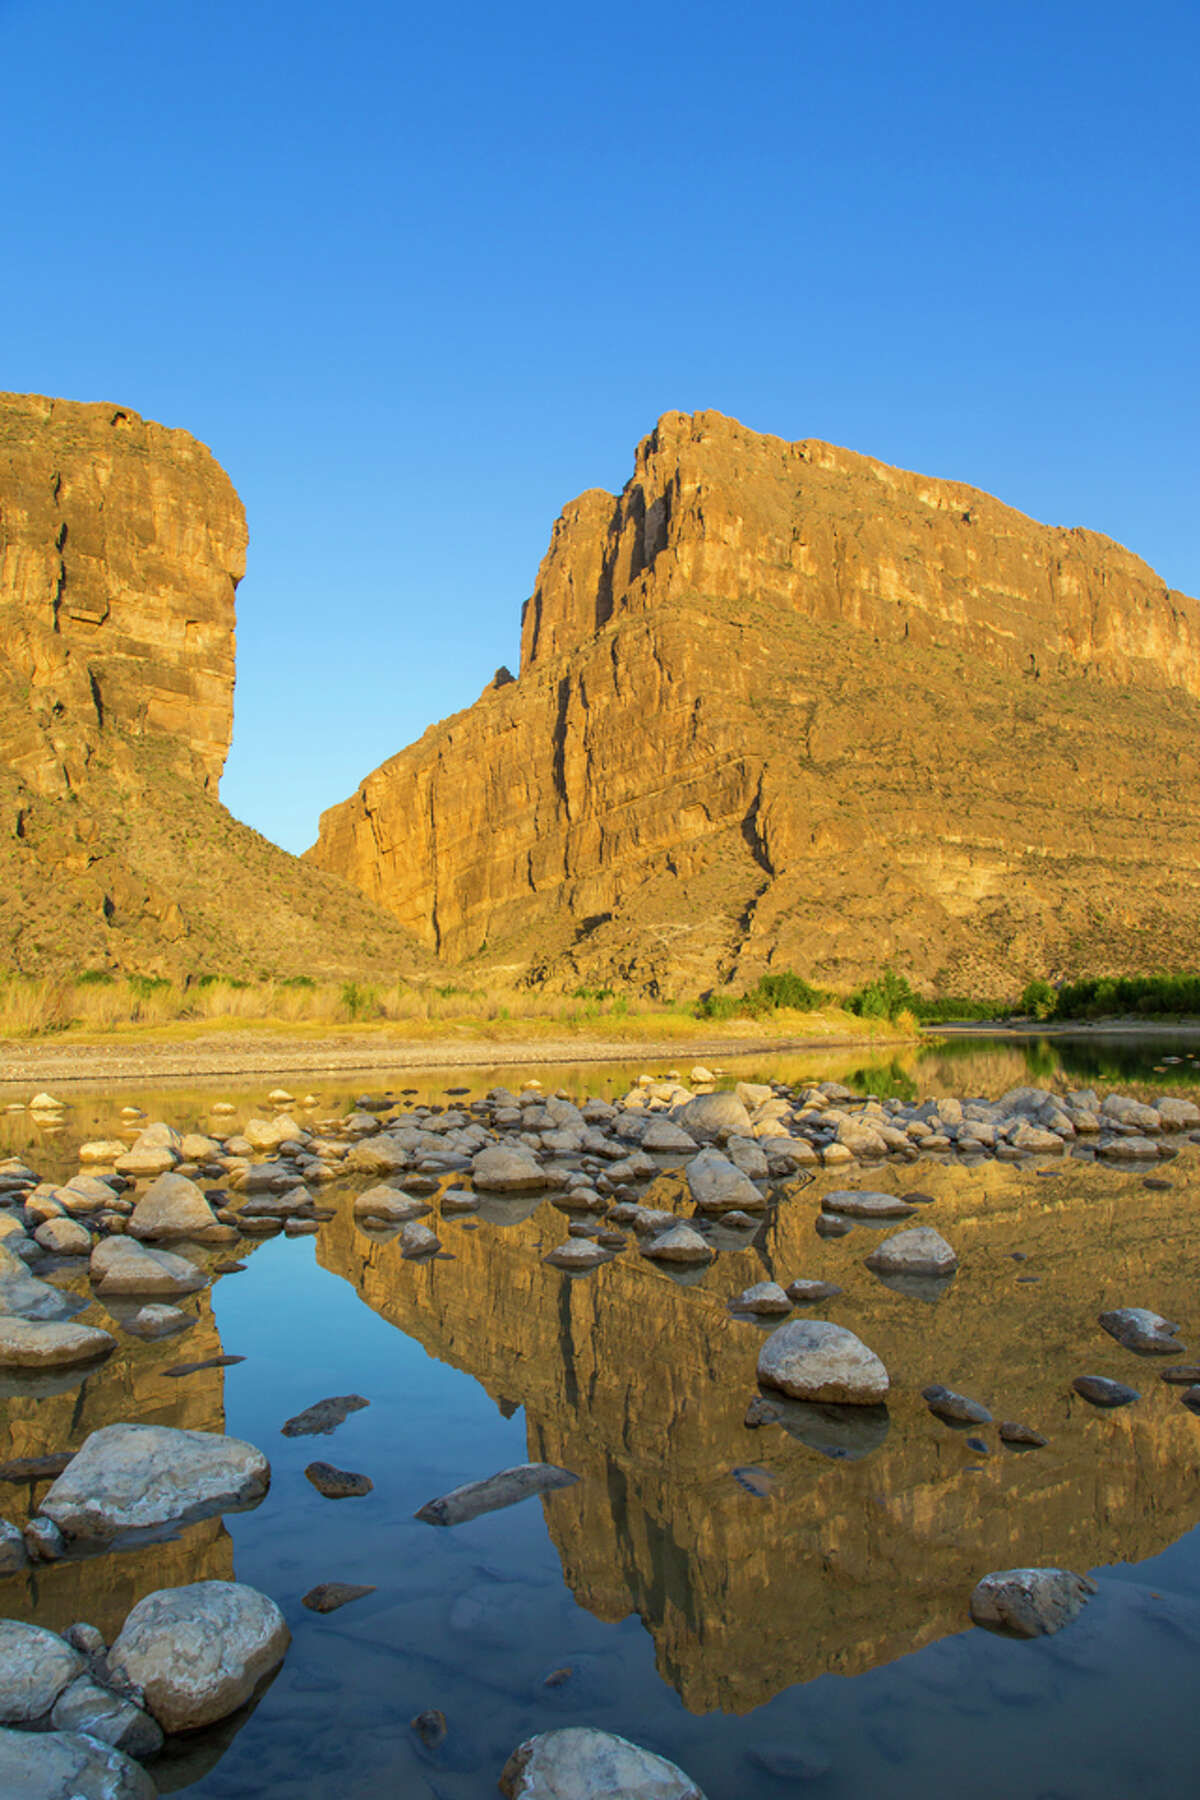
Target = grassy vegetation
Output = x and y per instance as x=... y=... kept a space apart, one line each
x=97 y=1002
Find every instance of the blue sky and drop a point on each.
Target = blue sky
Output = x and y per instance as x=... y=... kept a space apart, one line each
x=420 y=275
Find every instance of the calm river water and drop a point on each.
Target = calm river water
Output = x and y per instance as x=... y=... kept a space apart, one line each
x=775 y=1620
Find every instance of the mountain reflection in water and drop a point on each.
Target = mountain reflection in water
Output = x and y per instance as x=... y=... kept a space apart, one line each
x=641 y=1385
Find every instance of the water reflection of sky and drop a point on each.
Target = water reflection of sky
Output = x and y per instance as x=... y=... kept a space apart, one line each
x=807 y=1639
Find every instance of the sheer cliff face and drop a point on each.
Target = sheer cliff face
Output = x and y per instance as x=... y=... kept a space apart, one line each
x=121 y=545
x=781 y=703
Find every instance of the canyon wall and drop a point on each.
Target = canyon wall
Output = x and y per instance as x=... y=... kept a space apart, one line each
x=780 y=704
x=121 y=547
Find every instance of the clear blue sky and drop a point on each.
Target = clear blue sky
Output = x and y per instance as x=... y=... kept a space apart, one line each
x=420 y=274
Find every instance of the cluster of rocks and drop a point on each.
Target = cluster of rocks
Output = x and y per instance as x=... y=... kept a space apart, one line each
x=79 y=1715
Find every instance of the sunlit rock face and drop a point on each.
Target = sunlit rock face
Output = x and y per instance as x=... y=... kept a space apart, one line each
x=121 y=546
x=640 y=1384
x=779 y=702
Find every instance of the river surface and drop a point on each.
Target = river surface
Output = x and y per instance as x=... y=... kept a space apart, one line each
x=781 y=1612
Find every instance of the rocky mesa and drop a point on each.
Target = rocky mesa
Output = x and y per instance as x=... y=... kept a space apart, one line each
x=781 y=704
x=121 y=546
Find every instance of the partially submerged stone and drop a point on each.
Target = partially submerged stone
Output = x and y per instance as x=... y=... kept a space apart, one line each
x=114 y=1719
x=323 y=1416
x=506 y=1488
x=174 y=1207
x=68 y=1765
x=806 y=1293
x=1137 y=1328
x=138 y=1477
x=678 y=1244
x=581 y=1763
x=576 y=1255
x=1023 y=1436
x=199 y=1651
x=507 y=1169
x=328 y=1596
x=811 y=1359
x=121 y=1266
x=389 y=1205
x=766 y=1299
x=46 y=1344
x=1101 y=1391
x=921 y=1251
x=862 y=1203
x=717 y=1185
x=338 y=1484
x=35 y=1666
x=955 y=1409
x=1029 y=1603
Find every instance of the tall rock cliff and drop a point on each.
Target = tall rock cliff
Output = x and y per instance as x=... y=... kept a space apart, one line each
x=121 y=546
x=780 y=703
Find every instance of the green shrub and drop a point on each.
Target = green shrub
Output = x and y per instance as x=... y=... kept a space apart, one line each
x=95 y=978
x=1039 y=999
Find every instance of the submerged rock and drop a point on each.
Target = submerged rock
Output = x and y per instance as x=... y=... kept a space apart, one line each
x=862 y=1203
x=323 y=1416
x=68 y=1765
x=198 y=1652
x=328 y=1596
x=1137 y=1328
x=136 y=1477
x=805 y=1293
x=580 y=1763
x=1028 y=1603
x=766 y=1299
x=503 y=1489
x=578 y=1253
x=1100 y=1391
x=338 y=1484
x=811 y=1359
x=114 y=1719
x=955 y=1409
x=1013 y=1432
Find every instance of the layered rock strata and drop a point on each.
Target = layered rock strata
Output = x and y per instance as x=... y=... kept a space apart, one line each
x=121 y=547
x=780 y=703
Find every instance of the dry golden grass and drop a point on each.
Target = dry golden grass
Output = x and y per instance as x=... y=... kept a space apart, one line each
x=154 y=1010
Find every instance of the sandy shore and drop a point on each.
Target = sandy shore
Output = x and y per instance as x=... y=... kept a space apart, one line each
x=46 y=1061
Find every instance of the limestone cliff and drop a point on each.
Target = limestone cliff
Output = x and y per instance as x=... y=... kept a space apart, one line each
x=780 y=703
x=121 y=546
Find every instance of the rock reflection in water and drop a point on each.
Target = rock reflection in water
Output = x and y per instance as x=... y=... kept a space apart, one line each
x=130 y=1387
x=641 y=1386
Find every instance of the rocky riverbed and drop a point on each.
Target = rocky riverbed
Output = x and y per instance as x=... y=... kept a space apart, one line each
x=791 y=1322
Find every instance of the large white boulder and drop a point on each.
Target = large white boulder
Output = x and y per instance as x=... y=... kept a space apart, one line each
x=136 y=1477
x=35 y=1667
x=198 y=1652
x=68 y=1765
x=580 y=1763
x=811 y=1359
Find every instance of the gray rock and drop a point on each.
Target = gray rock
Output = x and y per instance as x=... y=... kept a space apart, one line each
x=718 y=1185
x=1142 y=1330
x=68 y=1765
x=1028 y=1603
x=389 y=1205
x=44 y=1542
x=137 y=1477
x=35 y=1667
x=504 y=1489
x=804 y=1293
x=44 y=1344
x=954 y=1408
x=121 y=1266
x=417 y=1240
x=710 y=1118
x=174 y=1207
x=921 y=1251
x=323 y=1417
x=507 y=1169
x=680 y=1244
x=158 y=1321
x=23 y=1296
x=198 y=1652
x=765 y=1298
x=580 y=1763
x=578 y=1254
x=1013 y=1432
x=861 y=1203
x=64 y=1237
x=1103 y=1392
x=811 y=1359
x=663 y=1135
x=86 y=1706
x=13 y=1554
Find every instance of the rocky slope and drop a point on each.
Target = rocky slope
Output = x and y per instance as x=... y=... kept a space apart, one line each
x=121 y=546
x=782 y=704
